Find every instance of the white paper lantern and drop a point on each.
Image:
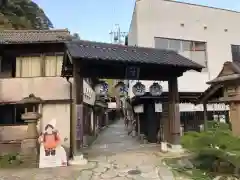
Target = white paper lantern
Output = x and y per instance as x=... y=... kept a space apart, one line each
x=101 y=89
x=139 y=89
x=120 y=88
x=155 y=89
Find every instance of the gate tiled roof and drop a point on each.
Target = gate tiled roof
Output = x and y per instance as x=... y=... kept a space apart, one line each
x=128 y=54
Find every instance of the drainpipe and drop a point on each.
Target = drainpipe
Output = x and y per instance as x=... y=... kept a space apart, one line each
x=71 y=114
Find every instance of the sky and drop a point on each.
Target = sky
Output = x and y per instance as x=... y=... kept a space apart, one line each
x=94 y=19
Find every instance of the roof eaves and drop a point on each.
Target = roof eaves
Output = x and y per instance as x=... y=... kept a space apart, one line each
x=208 y=93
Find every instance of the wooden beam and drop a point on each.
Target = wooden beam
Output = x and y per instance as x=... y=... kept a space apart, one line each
x=101 y=68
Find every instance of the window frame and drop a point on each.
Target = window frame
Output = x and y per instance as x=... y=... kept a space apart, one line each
x=235 y=55
x=13 y=109
x=192 y=48
x=42 y=63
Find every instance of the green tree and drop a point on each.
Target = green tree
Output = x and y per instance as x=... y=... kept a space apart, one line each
x=76 y=36
x=23 y=14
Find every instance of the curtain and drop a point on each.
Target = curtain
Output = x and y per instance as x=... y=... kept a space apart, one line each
x=53 y=65
x=50 y=66
x=59 y=65
x=28 y=66
x=31 y=66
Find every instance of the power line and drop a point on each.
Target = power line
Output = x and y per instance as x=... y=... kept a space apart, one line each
x=117 y=36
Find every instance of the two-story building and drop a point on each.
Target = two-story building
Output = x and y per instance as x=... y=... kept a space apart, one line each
x=31 y=63
x=206 y=35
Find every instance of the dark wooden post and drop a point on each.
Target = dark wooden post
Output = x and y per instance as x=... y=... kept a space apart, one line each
x=77 y=117
x=77 y=131
x=174 y=114
x=138 y=126
x=165 y=119
x=205 y=117
x=78 y=82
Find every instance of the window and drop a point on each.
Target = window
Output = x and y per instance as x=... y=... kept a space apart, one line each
x=11 y=114
x=235 y=52
x=187 y=45
x=28 y=66
x=53 y=65
x=194 y=50
x=161 y=43
x=39 y=65
x=174 y=44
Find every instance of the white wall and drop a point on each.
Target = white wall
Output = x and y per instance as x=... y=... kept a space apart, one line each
x=132 y=34
x=162 y=18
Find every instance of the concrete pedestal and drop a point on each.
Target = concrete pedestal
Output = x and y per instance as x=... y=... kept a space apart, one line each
x=164 y=147
x=85 y=141
x=78 y=160
x=175 y=148
x=134 y=133
x=29 y=152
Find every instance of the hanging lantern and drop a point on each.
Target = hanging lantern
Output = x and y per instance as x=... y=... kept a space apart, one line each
x=101 y=89
x=120 y=88
x=155 y=89
x=139 y=89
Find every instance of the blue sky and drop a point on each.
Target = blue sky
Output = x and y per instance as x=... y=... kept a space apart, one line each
x=93 y=19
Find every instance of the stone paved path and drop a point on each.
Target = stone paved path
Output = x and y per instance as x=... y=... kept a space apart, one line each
x=114 y=139
x=114 y=156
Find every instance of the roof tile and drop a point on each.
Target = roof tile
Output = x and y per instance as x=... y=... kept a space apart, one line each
x=28 y=36
x=103 y=51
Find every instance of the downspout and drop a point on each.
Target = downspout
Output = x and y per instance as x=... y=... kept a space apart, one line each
x=71 y=116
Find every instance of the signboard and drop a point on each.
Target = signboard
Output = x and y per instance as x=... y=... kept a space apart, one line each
x=89 y=95
x=158 y=107
x=79 y=127
x=132 y=72
x=52 y=154
x=139 y=108
x=112 y=105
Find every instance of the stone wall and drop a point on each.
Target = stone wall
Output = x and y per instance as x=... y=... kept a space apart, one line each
x=12 y=133
x=10 y=138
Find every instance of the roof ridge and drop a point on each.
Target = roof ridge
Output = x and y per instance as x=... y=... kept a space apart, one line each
x=29 y=35
x=34 y=30
x=122 y=45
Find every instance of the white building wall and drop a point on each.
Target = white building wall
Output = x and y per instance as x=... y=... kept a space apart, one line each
x=132 y=34
x=163 y=18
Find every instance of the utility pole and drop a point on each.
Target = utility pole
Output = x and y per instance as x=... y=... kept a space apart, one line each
x=118 y=37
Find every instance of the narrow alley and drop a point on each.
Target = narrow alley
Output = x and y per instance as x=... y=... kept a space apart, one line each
x=114 y=139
